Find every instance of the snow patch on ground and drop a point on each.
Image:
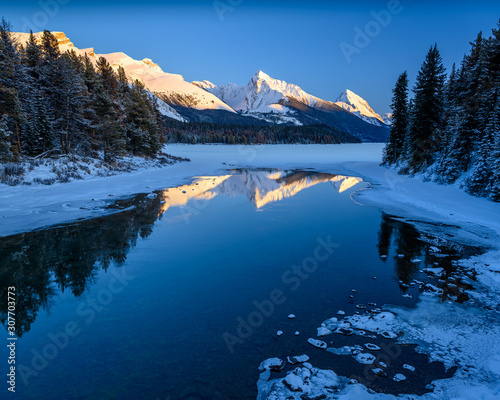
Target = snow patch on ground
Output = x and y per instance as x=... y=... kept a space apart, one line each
x=47 y=171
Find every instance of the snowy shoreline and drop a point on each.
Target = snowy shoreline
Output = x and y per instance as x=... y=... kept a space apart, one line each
x=405 y=197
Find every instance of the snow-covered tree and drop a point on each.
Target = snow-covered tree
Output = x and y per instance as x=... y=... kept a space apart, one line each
x=481 y=172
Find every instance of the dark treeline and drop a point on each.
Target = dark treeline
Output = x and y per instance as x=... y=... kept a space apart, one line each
x=450 y=129
x=53 y=103
x=203 y=132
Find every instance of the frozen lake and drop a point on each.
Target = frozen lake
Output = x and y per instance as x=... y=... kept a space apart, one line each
x=181 y=294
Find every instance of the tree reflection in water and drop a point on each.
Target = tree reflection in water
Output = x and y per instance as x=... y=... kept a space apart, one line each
x=42 y=263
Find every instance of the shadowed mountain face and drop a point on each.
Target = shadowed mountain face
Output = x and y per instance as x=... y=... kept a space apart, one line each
x=331 y=114
x=324 y=114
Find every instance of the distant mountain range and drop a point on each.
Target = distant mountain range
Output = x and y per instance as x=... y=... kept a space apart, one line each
x=263 y=101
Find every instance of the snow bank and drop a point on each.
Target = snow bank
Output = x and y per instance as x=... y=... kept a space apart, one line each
x=457 y=335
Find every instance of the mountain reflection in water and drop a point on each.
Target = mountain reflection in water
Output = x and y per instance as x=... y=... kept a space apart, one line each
x=44 y=262
x=262 y=187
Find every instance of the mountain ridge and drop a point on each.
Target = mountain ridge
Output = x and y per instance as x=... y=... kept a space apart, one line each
x=279 y=102
x=264 y=98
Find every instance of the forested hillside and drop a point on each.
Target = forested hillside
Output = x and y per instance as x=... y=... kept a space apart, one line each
x=53 y=103
x=450 y=129
x=203 y=132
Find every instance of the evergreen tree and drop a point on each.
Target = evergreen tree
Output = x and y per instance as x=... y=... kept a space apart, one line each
x=142 y=128
x=11 y=81
x=494 y=184
x=427 y=114
x=107 y=75
x=50 y=46
x=494 y=55
x=395 y=148
x=5 y=140
x=481 y=171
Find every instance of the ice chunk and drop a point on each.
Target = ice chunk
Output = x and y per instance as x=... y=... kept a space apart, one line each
x=365 y=358
x=317 y=343
x=409 y=367
x=294 y=382
x=379 y=372
x=322 y=331
x=298 y=359
x=272 y=364
x=345 y=351
x=399 y=378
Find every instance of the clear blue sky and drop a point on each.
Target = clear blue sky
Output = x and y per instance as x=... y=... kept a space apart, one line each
x=296 y=41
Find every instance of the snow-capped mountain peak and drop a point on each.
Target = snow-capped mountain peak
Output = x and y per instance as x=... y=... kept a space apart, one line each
x=261 y=75
x=358 y=106
x=170 y=88
x=275 y=100
x=266 y=94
